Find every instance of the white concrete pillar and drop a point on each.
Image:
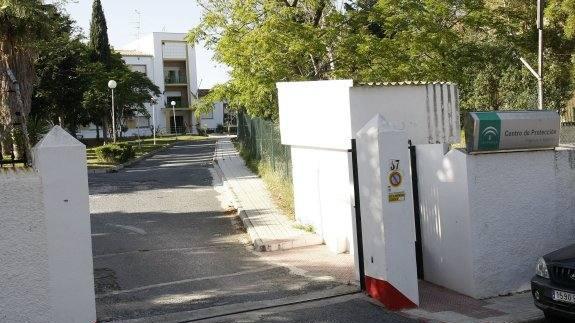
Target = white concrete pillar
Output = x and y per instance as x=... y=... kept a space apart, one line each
x=388 y=224
x=61 y=162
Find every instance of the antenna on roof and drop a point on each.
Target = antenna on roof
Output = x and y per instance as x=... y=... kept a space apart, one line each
x=138 y=24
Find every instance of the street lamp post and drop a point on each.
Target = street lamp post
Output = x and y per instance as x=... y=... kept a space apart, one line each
x=173 y=103
x=112 y=85
x=540 y=13
x=154 y=119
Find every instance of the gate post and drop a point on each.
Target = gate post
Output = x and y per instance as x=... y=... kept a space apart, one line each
x=387 y=214
x=60 y=161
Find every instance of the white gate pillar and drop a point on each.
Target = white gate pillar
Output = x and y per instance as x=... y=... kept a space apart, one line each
x=387 y=216
x=61 y=162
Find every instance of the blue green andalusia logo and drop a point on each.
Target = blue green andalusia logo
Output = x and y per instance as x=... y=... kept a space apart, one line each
x=489 y=130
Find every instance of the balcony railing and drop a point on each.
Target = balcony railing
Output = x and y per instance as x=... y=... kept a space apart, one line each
x=178 y=106
x=175 y=79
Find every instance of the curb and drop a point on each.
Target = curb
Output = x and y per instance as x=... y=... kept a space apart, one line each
x=116 y=168
x=254 y=238
x=260 y=245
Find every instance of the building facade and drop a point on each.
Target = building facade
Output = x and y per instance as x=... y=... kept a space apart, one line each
x=170 y=62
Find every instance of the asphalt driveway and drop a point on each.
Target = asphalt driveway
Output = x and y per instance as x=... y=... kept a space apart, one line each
x=163 y=242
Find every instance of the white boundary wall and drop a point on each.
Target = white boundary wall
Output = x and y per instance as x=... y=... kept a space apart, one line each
x=24 y=278
x=487 y=218
x=45 y=237
x=318 y=120
x=323 y=191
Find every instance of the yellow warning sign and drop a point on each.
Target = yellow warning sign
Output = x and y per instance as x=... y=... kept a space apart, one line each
x=397 y=197
x=395 y=178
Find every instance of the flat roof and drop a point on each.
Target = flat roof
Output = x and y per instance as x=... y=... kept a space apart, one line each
x=132 y=52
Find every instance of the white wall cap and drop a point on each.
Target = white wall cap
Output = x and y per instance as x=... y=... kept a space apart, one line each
x=328 y=83
x=58 y=137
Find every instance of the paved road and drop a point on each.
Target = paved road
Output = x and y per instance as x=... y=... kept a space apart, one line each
x=343 y=309
x=163 y=243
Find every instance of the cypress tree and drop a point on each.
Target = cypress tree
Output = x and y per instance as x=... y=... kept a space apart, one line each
x=99 y=43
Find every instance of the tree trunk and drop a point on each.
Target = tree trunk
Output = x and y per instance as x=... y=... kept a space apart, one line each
x=105 y=130
x=17 y=76
x=73 y=129
x=18 y=144
x=98 y=133
x=5 y=141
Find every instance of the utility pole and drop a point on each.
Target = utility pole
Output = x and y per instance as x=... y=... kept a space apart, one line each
x=539 y=73
x=540 y=7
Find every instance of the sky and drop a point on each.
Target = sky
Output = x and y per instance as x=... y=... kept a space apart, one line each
x=155 y=16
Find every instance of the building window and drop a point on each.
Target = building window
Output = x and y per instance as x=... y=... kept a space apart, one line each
x=139 y=68
x=174 y=75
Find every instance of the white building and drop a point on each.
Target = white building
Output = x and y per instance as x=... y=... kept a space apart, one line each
x=170 y=62
x=211 y=121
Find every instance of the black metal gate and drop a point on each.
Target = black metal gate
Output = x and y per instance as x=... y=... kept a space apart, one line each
x=416 y=212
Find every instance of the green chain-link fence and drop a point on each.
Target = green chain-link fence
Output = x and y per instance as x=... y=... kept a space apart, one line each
x=568 y=133
x=261 y=140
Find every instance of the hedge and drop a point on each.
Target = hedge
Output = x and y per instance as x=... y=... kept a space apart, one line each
x=115 y=153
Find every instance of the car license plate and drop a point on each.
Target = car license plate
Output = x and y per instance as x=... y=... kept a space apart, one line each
x=563 y=297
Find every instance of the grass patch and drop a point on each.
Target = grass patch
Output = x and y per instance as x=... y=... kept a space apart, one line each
x=307 y=228
x=280 y=188
x=461 y=143
x=141 y=147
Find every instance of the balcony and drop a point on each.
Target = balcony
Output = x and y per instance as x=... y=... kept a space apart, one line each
x=173 y=78
x=178 y=107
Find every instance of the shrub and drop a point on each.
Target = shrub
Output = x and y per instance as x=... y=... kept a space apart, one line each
x=220 y=128
x=115 y=153
x=202 y=130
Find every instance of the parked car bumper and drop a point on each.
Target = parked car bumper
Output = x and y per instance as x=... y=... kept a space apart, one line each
x=542 y=291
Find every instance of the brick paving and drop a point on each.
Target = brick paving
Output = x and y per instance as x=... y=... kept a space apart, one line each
x=444 y=305
x=267 y=227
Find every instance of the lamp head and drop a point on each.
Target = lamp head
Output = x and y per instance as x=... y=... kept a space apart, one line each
x=173 y=103
x=112 y=84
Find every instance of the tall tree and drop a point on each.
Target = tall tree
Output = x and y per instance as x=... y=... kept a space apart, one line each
x=475 y=43
x=101 y=53
x=23 y=23
x=99 y=42
x=265 y=41
x=61 y=64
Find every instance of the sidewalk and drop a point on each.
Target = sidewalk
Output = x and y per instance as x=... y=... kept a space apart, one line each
x=438 y=304
x=267 y=228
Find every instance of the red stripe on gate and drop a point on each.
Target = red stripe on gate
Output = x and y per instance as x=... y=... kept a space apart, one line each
x=388 y=295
